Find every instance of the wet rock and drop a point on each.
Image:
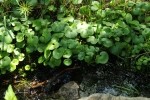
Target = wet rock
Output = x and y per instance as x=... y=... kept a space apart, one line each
x=69 y=91
x=101 y=96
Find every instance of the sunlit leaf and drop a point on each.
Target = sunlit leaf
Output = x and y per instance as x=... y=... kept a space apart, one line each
x=95 y=5
x=27 y=67
x=67 y=62
x=41 y=59
x=67 y=53
x=76 y=1
x=15 y=62
x=9 y=94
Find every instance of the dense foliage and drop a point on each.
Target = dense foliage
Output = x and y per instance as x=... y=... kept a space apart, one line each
x=52 y=32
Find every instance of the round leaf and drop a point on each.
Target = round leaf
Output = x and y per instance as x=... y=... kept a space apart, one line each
x=58 y=53
x=15 y=62
x=76 y=1
x=67 y=53
x=27 y=67
x=67 y=62
x=102 y=58
x=54 y=62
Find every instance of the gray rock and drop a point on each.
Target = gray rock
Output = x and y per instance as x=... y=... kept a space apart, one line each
x=101 y=96
x=69 y=91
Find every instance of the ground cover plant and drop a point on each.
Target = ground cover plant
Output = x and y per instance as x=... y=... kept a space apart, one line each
x=56 y=32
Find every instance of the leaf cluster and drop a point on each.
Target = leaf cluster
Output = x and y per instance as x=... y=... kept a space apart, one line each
x=72 y=29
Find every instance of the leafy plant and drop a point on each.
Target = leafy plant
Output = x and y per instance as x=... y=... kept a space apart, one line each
x=10 y=95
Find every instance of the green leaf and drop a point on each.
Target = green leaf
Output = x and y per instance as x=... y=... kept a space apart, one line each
x=58 y=53
x=53 y=44
x=21 y=57
x=107 y=42
x=15 y=62
x=52 y=8
x=58 y=26
x=128 y=17
x=32 y=40
x=70 y=32
x=67 y=53
x=95 y=5
x=10 y=48
x=20 y=37
x=81 y=55
x=10 y=95
x=76 y=1
x=102 y=58
x=41 y=59
x=27 y=67
x=8 y=39
x=92 y=40
x=32 y=2
x=54 y=62
x=6 y=61
x=84 y=10
x=46 y=35
x=67 y=62
x=47 y=53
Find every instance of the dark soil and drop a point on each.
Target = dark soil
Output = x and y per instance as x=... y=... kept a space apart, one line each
x=44 y=81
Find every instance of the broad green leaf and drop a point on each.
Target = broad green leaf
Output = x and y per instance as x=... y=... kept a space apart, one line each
x=67 y=53
x=32 y=40
x=54 y=62
x=135 y=23
x=95 y=5
x=52 y=8
x=70 y=32
x=9 y=94
x=72 y=43
x=102 y=58
x=46 y=35
x=146 y=32
x=107 y=42
x=137 y=11
x=84 y=10
x=67 y=62
x=20 y=37
x=17 y=28
x=30 y=49
x=128 y=17
x=58 y=26
x=53 y=44
x=15 y=62
x=88 y=59
x=81 y=56
x=92 y=40
x=117 y=48
x=10 y=48
x=58 y=53
x=8 y=39
x=6 y=61
x=76 y=1
x=12 y=67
